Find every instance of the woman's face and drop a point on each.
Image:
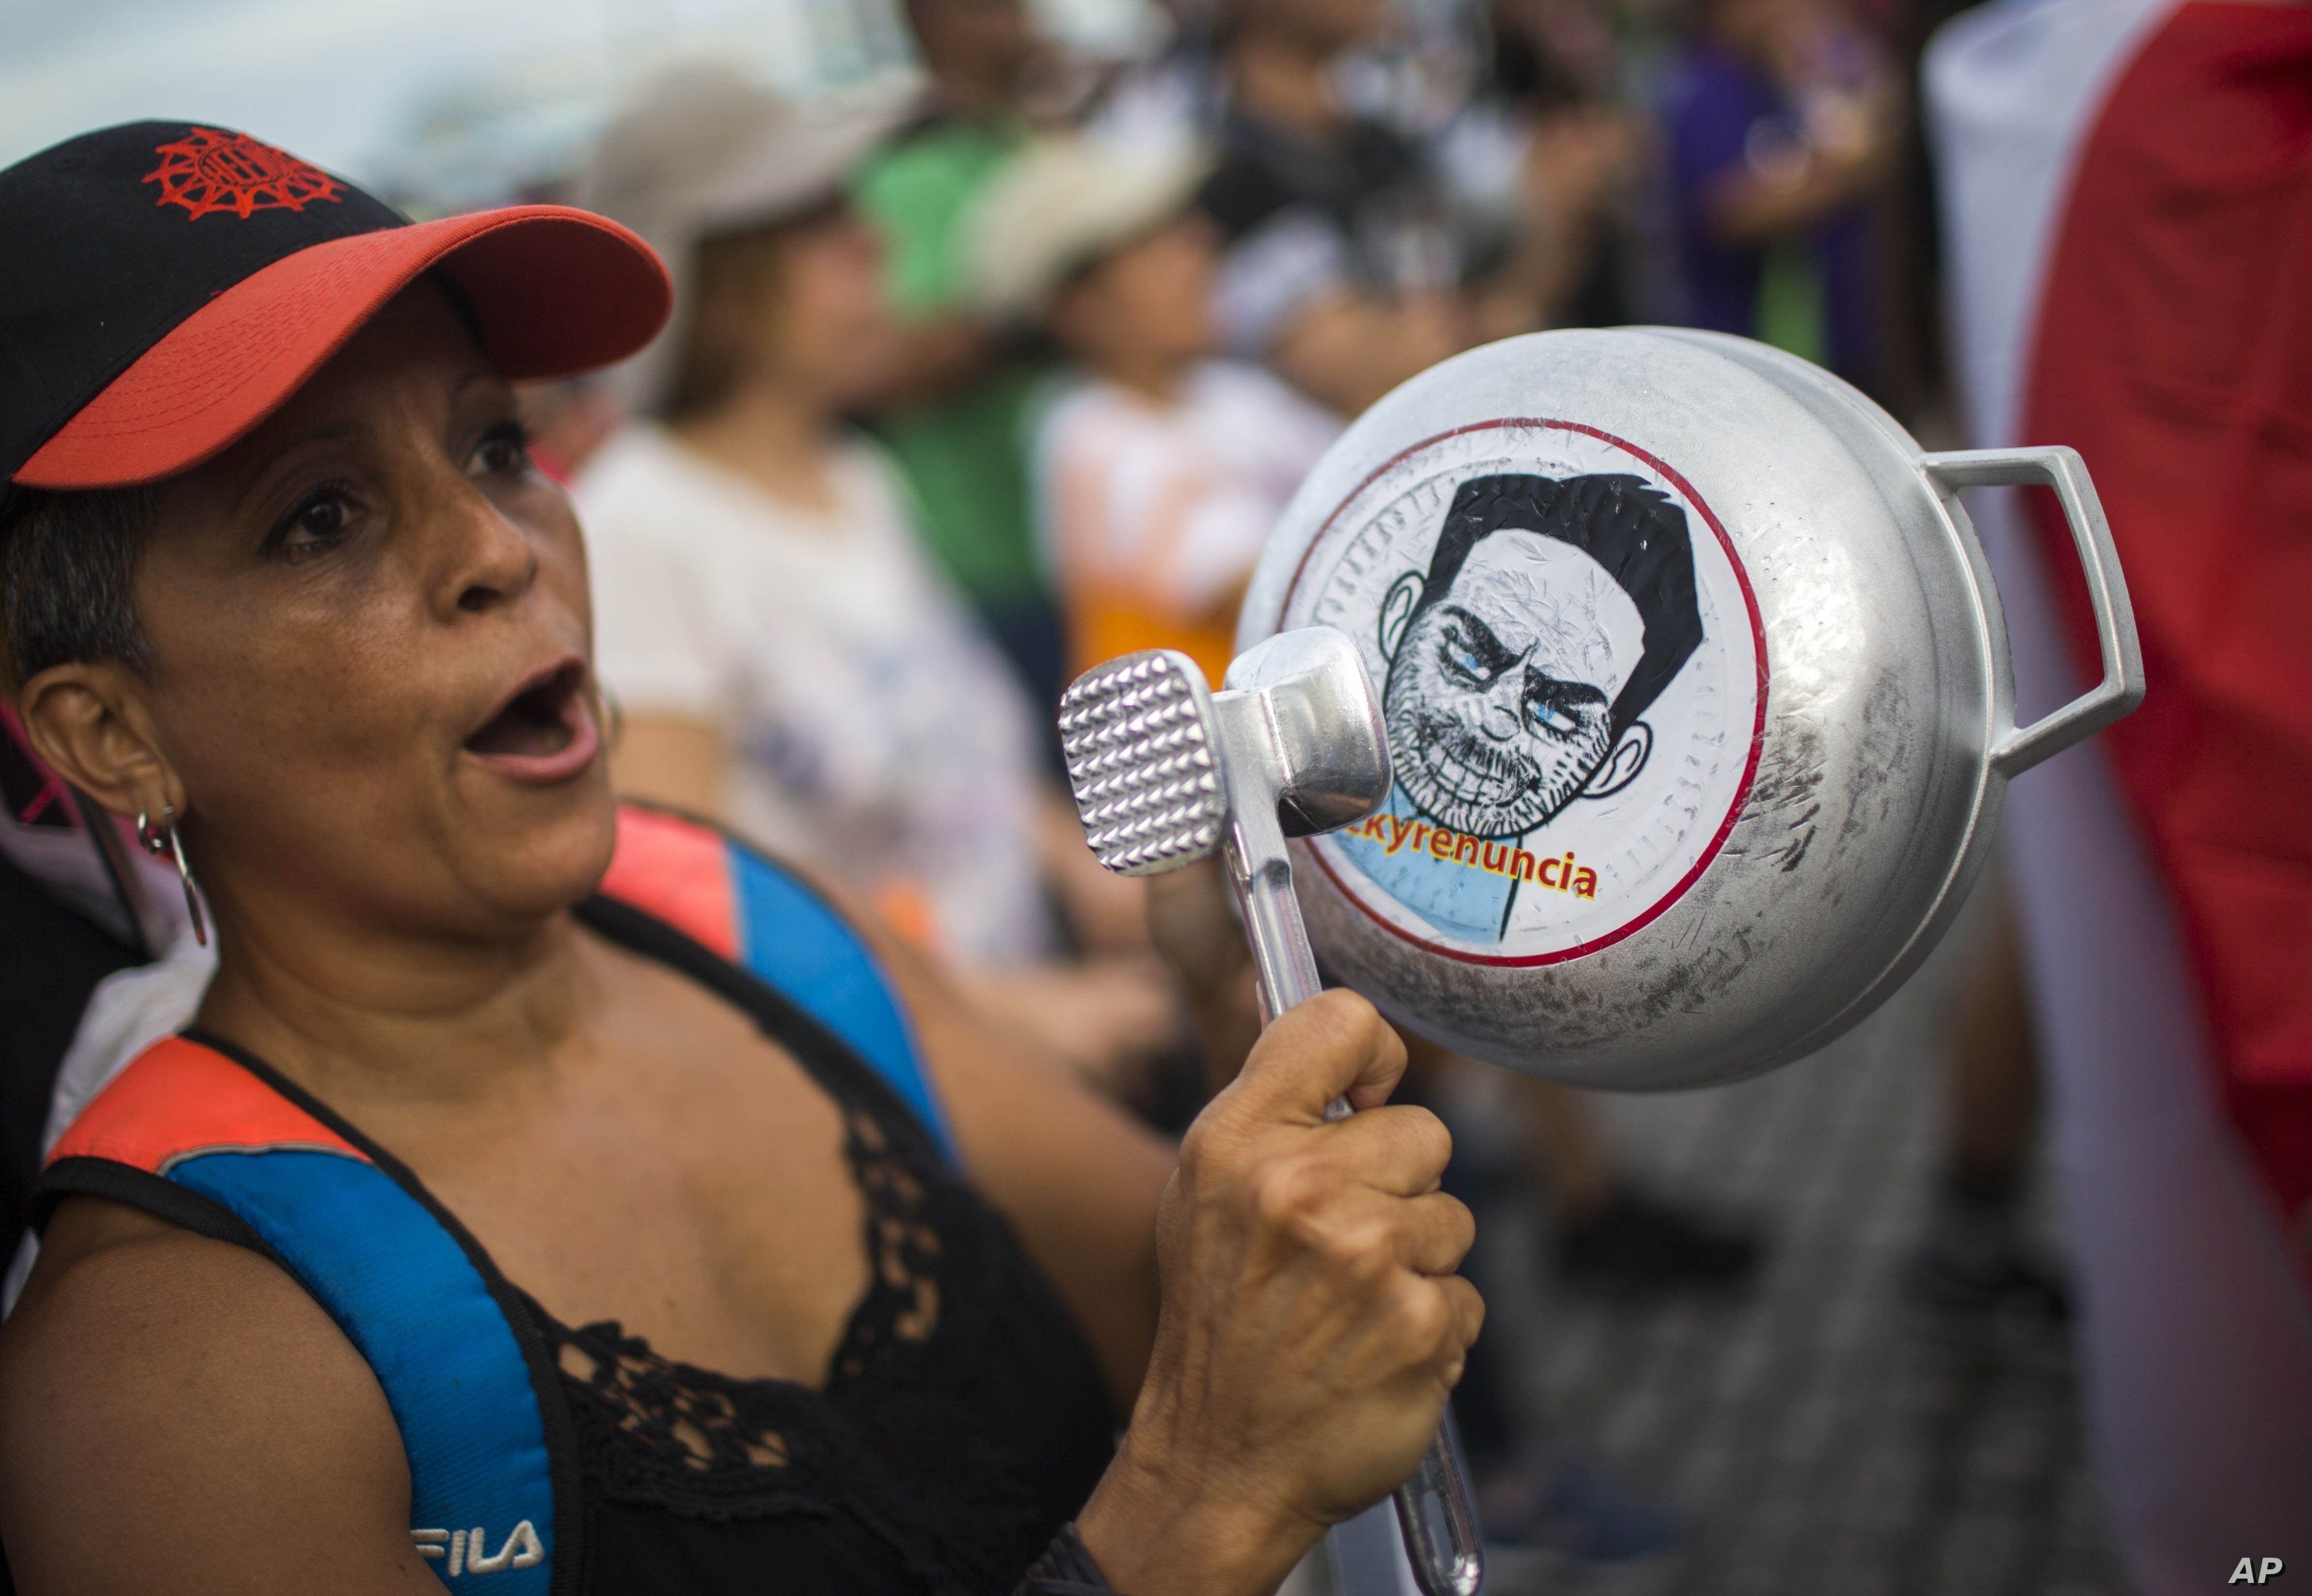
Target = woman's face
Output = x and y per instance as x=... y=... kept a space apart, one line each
x=830 y=327
x=370 y=644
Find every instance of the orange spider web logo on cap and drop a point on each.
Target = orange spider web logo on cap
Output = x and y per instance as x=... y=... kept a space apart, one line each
x=212 y=170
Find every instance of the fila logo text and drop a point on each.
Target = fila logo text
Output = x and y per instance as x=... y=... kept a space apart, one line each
x=468 y=1552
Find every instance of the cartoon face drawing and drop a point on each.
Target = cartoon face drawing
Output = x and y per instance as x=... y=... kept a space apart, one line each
x=1572 y=675
x=1553 y=613
x=1500 y=697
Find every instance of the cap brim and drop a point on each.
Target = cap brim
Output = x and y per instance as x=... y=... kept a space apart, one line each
x=555 y=292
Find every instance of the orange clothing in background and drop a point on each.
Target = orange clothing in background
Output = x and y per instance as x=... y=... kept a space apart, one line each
x=1153 y=514
x=1105 y=622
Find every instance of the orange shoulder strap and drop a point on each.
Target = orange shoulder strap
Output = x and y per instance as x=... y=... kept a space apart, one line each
x=179 y=1098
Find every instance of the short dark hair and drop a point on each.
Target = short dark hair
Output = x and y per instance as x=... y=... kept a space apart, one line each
x=67 y=577
x=1625 y=523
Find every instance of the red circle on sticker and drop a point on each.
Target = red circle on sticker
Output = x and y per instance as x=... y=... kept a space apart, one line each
x=1448 y=865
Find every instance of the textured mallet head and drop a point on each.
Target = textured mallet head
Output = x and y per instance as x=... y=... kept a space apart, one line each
x=1142 y=751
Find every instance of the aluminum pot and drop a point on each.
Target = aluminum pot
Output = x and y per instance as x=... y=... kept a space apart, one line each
x=1698 y=699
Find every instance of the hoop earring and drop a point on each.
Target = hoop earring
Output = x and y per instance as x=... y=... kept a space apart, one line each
x=614 y=719
x=164 y=842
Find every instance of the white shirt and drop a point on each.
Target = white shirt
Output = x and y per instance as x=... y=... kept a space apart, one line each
x=874 y=733
x=1174 y=501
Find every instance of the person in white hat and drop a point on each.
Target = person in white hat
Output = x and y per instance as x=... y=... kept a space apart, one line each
x=1158 y=469
x=785 y=657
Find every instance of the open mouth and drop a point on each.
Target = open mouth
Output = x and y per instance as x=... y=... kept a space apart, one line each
x=545 y=731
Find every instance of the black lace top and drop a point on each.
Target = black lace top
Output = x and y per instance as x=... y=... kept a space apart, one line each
x=962 y=1422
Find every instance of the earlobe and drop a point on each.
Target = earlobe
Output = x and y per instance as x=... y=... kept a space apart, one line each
x=1623 y=764
x=88 y=723
x=1397 y=611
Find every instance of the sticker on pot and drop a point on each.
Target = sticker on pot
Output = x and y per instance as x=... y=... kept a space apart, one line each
x=1574 y=681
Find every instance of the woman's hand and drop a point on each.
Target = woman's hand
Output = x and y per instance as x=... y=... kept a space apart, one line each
x=1311 y=1324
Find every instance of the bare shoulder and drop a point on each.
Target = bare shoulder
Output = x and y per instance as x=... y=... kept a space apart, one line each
x=178 y=1416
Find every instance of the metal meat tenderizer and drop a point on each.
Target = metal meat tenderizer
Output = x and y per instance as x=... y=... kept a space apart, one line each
x=1167 y=772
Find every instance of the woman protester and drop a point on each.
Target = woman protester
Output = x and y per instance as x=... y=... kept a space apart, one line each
x=546 y=1194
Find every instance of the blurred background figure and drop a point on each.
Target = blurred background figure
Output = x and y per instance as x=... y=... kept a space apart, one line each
x=1346 y=267
x=1779 y=125
x=784 y=656
x=954 y=417
x=1550 y=95
x=1160 y=470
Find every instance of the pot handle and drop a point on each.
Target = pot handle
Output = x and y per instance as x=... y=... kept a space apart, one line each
x=2016 y=749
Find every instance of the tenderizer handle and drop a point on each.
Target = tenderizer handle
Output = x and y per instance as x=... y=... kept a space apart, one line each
x=1435 y=1509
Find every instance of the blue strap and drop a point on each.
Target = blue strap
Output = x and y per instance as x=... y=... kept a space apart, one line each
x=793 y=941
x=405 y=1293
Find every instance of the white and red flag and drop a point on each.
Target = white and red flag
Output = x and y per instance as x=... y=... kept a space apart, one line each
x=2127 y=190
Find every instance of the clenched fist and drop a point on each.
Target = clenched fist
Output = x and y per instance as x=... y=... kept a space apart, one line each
x=1311 y=1324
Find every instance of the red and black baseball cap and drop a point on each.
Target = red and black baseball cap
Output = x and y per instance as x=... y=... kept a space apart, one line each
x=165 y=286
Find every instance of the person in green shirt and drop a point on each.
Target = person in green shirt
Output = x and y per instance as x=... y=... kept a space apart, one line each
x=957 y=423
